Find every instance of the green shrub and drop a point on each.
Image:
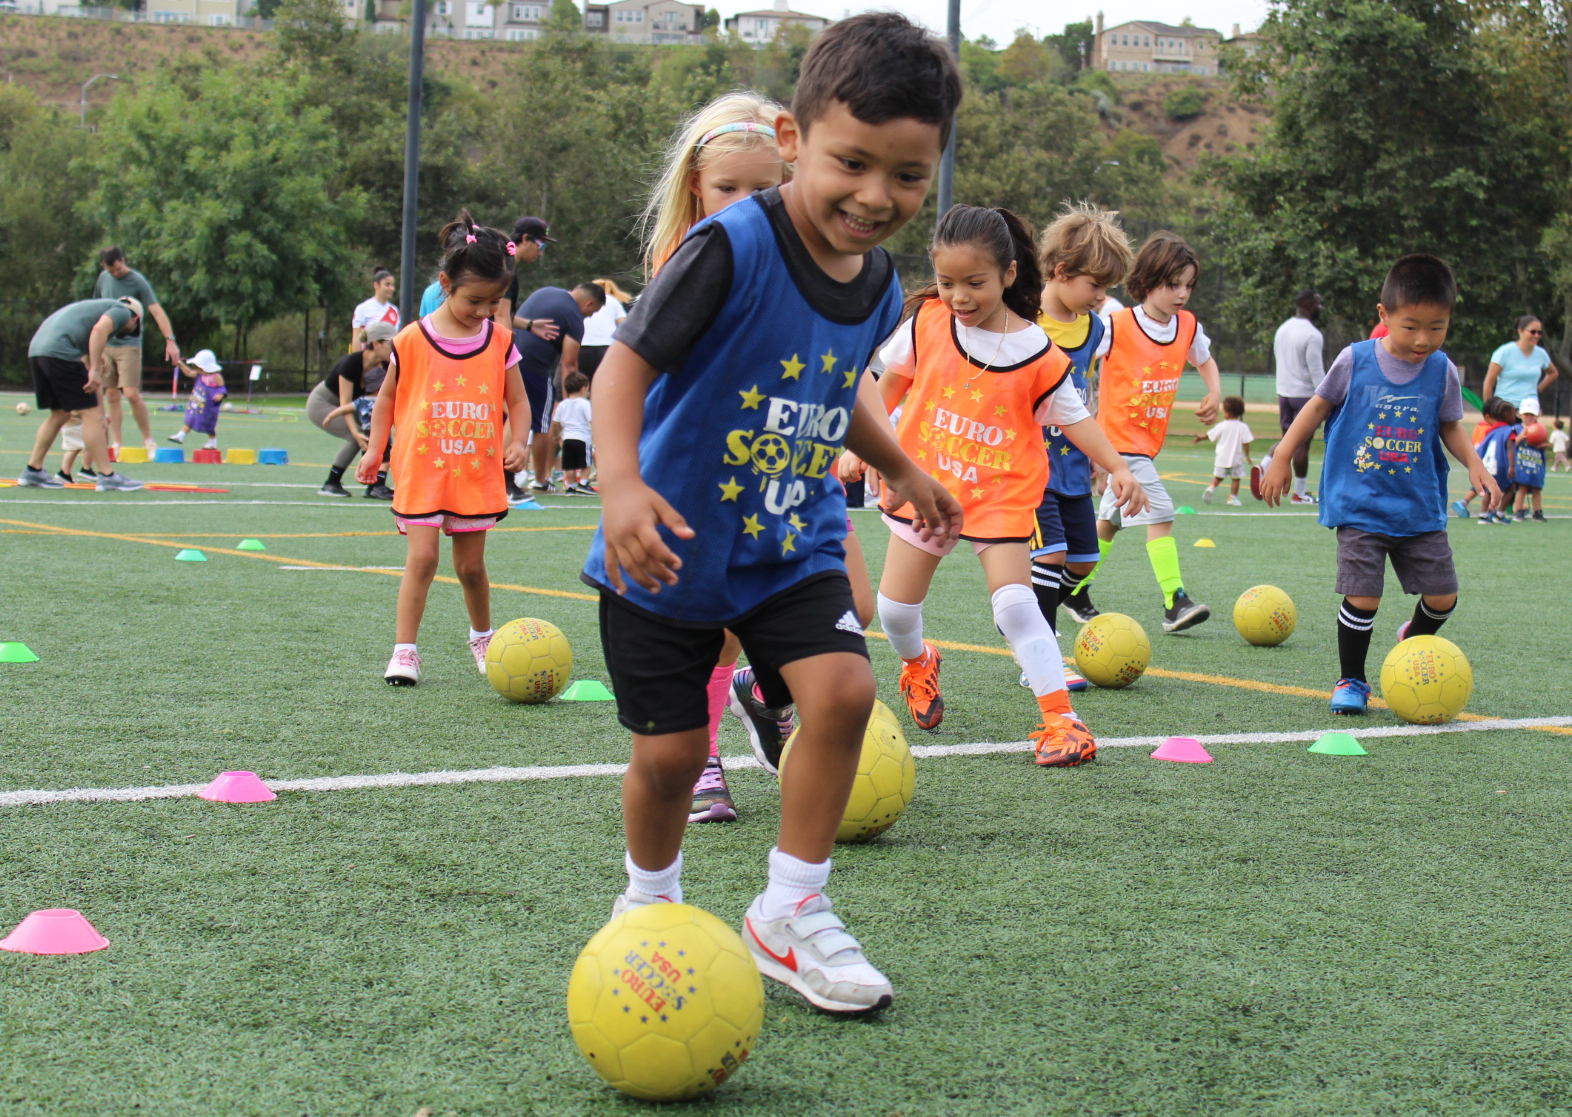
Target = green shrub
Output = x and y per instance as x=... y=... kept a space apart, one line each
x=1184 y=104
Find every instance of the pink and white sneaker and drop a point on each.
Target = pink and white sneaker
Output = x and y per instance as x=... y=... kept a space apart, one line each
x=477 y=648
x=403 y=668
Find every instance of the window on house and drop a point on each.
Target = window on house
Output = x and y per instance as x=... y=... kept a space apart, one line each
x=595 y=19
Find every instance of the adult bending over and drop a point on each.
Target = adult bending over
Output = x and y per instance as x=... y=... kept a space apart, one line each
x=66 y=357
x=540 y=356
x=122 y=369
x=340 y=387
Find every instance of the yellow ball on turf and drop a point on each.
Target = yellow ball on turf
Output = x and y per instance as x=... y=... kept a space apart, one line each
x=1265 y=616
x=1426 y=680
x=528 y=660
x=886 y=778
x=665 y=1002
x=1112 y=651
x=23 y=408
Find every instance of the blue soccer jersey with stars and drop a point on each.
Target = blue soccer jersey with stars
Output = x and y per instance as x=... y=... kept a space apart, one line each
x=741 y=438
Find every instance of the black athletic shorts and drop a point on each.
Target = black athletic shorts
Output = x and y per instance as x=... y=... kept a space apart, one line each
x=575 y=455
x=537 y=387
x=590 y=357
x=1068 y=524
x=660 y=670
x=61 y=385
x=1288 y=409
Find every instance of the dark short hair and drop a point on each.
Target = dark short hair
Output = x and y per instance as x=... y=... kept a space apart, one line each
x=1306 y=298
x=474 y=252
x=380 y=274
x=1233 y=405
x=574 y=382
x=883 y=67
x=596 y=293
x=110 y=255
x=1162 y=260
x=1419 y=280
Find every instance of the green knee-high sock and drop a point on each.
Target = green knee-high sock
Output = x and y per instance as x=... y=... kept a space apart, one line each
x=1103 y=547
x=1164 y=554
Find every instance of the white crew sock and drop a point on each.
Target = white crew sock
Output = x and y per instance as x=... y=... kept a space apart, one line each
x=1018 y=616
x=791 y=882
x=476 y=634
x=403 y=647
x=902 y=623
x=210 y=444
x=664 y=883
x=178 y=436
x=1299 y=485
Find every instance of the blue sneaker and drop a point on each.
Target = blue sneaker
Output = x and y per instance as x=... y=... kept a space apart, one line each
x=1350 y=696
x=1461 y=509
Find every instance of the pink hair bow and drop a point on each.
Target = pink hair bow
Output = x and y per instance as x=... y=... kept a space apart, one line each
x=469 y=238
x=513 y=249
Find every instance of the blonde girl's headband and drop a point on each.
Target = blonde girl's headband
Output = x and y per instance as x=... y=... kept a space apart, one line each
x=740 y=126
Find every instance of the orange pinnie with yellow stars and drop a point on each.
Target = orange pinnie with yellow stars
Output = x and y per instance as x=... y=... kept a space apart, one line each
x=448 y=414
x=1140 y=378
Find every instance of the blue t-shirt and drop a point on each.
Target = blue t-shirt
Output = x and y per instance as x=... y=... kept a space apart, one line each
x=1520 y=372
x=431 y=298
x=1385 y=471
x=537 y=357
x=741 y=431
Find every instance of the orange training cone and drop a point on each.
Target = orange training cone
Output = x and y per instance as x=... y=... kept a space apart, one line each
x=1185 y=750
x=237 y=787
x=54 y=931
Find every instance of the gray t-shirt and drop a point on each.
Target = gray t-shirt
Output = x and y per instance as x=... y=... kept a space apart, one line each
x=64 y=333
x=134 y=284
x=1334 y=388
x=1297 y=353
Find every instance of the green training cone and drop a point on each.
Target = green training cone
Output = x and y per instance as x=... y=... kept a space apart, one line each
x=586 y=690
x=13 y=652
x=1184 y=510
x=1338 y=744
x=250 y=545
x=188 y=555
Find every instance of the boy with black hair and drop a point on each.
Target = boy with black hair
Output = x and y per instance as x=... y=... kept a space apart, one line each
x=1390 y=405
x=726 y=397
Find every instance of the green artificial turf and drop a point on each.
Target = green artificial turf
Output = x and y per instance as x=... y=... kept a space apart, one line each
x=1274 y=933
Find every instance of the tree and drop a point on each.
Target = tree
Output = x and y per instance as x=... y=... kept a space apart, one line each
x=565 y=17
x=222 y=182
x=1074 y=44
x=1393 y=132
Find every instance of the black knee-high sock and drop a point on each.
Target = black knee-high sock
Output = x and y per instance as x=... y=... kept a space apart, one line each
x=1045 y=584
x=1428 y=621
x=1353 y=639
x=1069 y=582
x=335 y=475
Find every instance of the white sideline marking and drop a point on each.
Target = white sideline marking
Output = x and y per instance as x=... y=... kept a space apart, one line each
x=732 y=763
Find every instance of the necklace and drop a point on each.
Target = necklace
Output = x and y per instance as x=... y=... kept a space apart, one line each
x=996 y=350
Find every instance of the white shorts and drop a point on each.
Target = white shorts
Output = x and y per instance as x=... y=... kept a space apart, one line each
x=1227 y=471
x=1161 y=508
x=71 y=436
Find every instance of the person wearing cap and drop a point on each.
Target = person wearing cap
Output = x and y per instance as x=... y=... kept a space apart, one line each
x=337 y=392
x=378 y=308
x=1521 y=369
x=66 y=357
x=123 y=355
x=207 y=394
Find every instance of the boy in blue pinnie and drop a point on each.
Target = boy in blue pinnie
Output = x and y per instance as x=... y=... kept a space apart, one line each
x=720 y=407
x=207 y=396
x=1528 y=465
x=1389 y=405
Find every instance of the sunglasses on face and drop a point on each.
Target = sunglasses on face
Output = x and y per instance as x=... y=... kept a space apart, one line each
x=1537 y=333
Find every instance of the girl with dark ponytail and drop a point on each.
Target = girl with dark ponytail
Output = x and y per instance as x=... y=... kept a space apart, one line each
x=443 y=401
x=978 y=379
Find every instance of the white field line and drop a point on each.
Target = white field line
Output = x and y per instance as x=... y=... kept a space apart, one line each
x=732 y=763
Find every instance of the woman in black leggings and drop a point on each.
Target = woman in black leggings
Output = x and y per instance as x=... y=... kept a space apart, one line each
x=342 y=384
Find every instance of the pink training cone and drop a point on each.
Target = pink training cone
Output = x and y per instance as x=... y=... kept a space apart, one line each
x=54 y=931
x=1186 y=750
x=237 y=787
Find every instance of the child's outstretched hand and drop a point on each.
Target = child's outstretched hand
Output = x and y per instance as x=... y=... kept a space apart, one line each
x=370 y=465
x=1483 y=482
x=1129 y=495
x=632 y=514
x=515 y=456
x=936 y=514
x=1275 y=480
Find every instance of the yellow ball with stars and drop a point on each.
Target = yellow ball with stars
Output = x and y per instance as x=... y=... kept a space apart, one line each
x=528 y=660
x=665 y=1002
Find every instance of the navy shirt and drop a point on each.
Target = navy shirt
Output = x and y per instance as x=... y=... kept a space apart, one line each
x=537 y=357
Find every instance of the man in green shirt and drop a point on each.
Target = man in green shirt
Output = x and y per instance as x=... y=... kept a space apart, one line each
x=66 y=357
x=123 y=355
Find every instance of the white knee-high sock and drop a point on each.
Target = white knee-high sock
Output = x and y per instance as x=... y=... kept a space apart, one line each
x=902 y=623
x=1018 y=616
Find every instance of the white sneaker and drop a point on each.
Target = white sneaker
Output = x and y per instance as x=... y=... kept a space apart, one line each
x=812 y=953
x=634 y=899
x=38 y=479
x=1206 y=497
x=1235 y=501
x=178 y=437
x=116 y=482
x=477 y=648
x=150 y=445
x=403 y=668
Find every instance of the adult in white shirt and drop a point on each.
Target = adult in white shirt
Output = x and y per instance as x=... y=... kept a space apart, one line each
x=378 y=308
x=1105 y=309
x=1298 y=353
x=598 y=327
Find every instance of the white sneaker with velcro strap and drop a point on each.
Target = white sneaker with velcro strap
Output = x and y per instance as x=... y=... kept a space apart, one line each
x=811 y=952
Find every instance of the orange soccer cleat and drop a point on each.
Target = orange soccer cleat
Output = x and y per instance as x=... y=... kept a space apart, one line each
x=920 y=687
x=1062 y=741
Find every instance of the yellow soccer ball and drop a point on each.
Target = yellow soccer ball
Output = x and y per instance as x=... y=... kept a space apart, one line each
x=1426 y=680
x=1265 y=616
x=23 y=408
x=886 y=778
x=528 y=660
x=665 y=1002
x=1112 y=651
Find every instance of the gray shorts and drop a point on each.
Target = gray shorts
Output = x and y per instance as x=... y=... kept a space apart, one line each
x=1422 y=563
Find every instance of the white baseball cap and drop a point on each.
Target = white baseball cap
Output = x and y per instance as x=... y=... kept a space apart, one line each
x=205 y=361
x=1530 y=406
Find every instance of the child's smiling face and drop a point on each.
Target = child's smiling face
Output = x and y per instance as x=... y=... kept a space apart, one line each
x=971 y=284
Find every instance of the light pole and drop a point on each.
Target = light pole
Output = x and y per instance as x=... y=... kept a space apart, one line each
x=85 y=86
x=408 y=283
x=947 y=164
